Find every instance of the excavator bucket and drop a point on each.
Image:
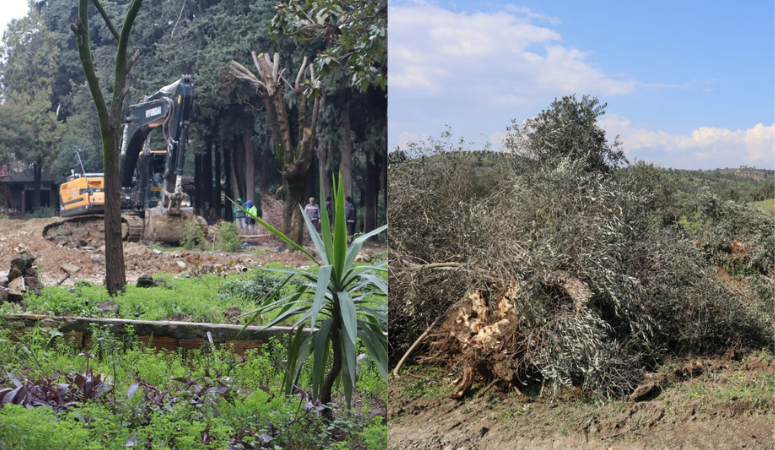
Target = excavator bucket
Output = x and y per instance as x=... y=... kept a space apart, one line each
x=170 y=229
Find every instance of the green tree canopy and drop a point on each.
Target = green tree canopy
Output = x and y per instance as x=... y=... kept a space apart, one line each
x=568 y=129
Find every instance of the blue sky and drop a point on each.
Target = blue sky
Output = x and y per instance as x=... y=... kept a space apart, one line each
x=689 y=84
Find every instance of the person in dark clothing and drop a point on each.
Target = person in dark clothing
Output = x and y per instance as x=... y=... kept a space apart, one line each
x=349 y=216
x=330 y=212
x=329 y=208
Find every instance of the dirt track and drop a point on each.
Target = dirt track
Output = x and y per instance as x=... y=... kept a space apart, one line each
x=723 y=404
x=17 y=236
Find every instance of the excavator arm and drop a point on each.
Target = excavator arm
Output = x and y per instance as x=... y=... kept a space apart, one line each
x=170 y=108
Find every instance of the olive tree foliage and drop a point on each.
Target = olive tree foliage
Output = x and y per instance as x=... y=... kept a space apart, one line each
x=491 y=219
x=568 y=129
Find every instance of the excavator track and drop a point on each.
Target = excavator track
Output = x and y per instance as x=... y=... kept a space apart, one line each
x=92 y=227
x=135 y=227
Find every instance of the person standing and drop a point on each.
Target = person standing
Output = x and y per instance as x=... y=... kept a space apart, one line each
x=312 y=211
x=330 y=212
x=239 y=215
x=252 y=212
x=349 y=216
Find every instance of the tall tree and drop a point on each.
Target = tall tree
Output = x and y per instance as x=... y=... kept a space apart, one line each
x=296 y=151
x=31 y=132
x=110 y=117
x=355 y=55
x=29 y=128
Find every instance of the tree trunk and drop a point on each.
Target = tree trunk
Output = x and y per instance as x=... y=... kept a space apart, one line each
x=217 y=197
x=336 y=367
x=295 y=185
x=237 y=169
x=207 y=179
x=266 y=160
x=250 y=165
x=372 y=195
x=322 y=153
x=228 y=213
x=110 y=120
x=197 y=200
x=37 y=170
x=115 y=270
x=346 y=160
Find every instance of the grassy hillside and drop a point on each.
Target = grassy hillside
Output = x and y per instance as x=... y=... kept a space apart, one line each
x=767 y=205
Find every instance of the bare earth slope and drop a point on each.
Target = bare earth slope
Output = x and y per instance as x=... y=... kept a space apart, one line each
x=724 y=403
x=19 y=236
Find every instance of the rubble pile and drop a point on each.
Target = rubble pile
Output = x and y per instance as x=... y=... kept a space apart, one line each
x=20 y=278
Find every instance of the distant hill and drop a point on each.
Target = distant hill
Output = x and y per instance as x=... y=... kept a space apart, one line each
x=744 y=185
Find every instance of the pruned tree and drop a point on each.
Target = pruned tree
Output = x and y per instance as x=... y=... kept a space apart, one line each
x=110 y=119
x=354 y=58
x=295 y=154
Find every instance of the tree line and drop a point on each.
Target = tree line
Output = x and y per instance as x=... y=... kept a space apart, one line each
x=47 y=112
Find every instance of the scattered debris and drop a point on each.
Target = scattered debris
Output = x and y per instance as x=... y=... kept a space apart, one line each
x=70 y=269
x=644 y=392
x=108 y=307
x=363 y=257
x=145 y=281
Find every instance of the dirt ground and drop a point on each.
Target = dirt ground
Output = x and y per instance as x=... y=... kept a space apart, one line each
x=723 y=403
x=18 y=236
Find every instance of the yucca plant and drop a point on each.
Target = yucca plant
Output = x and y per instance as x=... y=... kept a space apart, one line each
x=335 y=305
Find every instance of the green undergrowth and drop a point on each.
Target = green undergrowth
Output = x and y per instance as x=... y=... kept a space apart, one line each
x=202 y=298
x=209 y=399
x=195 y=299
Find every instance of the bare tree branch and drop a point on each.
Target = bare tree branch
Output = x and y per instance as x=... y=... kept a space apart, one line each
x=105 y=17
x=132 y=61
x=298 y=75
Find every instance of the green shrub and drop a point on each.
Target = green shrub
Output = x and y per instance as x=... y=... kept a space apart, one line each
x=253 y=289
x=39 y=428
x=44 y=212
x=193 y=236
x=227 y=237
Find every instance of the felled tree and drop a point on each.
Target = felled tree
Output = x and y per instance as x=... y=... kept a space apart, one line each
x=110 y=118
x=295 y=154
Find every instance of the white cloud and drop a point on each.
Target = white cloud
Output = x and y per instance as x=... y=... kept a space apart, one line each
x=724 y=147
x=530 y=14
x=404 y=139
x=500 y=58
